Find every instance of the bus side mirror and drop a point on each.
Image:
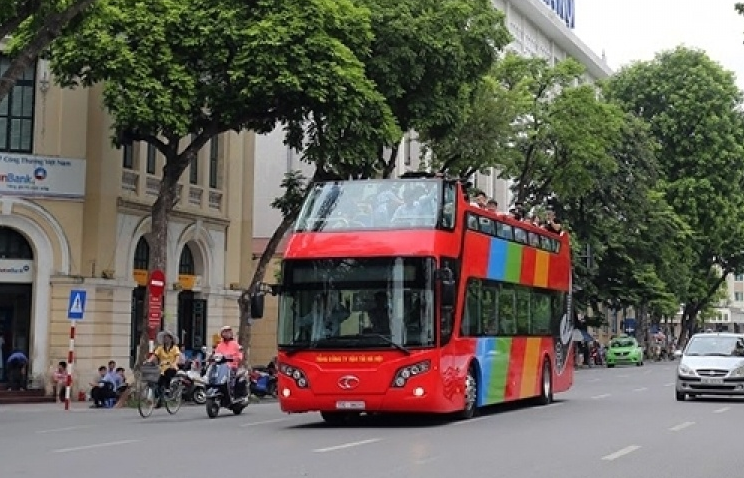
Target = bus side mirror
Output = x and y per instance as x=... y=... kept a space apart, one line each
x=257 y=305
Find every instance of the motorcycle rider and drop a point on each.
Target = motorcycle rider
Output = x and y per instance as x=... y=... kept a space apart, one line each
x=230 y=348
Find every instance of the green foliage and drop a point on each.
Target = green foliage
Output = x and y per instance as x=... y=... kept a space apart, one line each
x=529 y=120
x=207 y=66
x=692 y=107
x=427 y=58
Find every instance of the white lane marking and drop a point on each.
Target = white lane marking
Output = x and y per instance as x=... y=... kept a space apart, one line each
x=66 y=429
x=264 y=422
x=347 y=445
x=642 y=389
x=552 y=405
x=619 y=453
x=681 y=426
x=97 y=445
x=670 y=384
x=595 y=380
x=599 y=397
x=721 y=410
x=623 y=376
x=647 y=372
x=464 y=422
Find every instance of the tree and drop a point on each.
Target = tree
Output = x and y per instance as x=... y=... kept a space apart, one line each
x=425 y=59
x=33 y=24
x=530 y=121
x=204 y=67
x=692 y=106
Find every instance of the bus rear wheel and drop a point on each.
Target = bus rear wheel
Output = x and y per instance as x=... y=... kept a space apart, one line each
x=546 y=385
x=471 y=395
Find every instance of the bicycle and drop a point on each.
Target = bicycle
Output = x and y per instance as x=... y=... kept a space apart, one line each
x=150 y=392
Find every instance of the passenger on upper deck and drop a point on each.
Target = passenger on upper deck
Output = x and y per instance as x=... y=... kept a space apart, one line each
x=479 y=199
x=552 y=224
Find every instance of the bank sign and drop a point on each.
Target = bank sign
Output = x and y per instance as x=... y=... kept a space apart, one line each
x=40 y=176
x=564 y=9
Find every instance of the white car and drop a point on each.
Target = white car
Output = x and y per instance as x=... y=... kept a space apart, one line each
x=711 y=364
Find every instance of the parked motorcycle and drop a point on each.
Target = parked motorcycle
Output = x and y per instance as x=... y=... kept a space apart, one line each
x=263 y=382
x=222 y=391
x=194 y=384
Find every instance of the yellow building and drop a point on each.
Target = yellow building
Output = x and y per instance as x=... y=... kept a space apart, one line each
x=75 y=214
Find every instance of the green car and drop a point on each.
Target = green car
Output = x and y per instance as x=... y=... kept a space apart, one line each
x=624 y=350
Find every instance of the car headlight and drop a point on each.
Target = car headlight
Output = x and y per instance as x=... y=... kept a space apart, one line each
x=686 y=371
x=737 y=372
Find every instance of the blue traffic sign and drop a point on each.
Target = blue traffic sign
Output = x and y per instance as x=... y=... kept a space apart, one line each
x=76 y=306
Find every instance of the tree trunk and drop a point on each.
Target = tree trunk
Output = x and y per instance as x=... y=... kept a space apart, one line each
x=642 y=329
x=244 y=303
x=161 y=209
x=47 y=32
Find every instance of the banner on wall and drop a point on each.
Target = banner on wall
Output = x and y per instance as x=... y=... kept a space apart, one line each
x=41 y=176
x=16 y=271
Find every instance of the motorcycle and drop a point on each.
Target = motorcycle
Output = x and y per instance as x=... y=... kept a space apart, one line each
x=263 y=382
x=221 y=393
x=194 y=385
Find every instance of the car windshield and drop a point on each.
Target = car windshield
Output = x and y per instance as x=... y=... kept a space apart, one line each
x=620 y=343
x=357 y=303
x=717 y=345
x=370 y=205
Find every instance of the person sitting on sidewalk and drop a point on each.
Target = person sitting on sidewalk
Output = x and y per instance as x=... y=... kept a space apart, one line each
x=123 y=389
x=102 y=389
x=59 y=382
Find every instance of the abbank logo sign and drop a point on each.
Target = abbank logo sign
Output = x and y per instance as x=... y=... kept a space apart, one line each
x=565 y=9
x=39 y=174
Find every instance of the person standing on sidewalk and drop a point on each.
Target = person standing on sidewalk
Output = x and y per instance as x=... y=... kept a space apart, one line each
x=17 y=363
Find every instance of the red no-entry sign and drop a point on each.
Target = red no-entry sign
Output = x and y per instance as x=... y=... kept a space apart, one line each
x=156 y=285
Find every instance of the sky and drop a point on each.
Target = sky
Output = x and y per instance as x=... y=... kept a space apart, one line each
x=628 y=30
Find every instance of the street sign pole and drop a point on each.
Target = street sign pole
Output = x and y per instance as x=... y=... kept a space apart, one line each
x=156 y=284
x=75 y=312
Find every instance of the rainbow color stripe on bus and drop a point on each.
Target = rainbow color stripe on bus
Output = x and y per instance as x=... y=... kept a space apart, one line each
x=506 y=261
x=510 y=367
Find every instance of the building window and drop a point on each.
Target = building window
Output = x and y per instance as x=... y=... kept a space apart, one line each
x=13 y=245
x=194 y=167
x=17 y=112
x=152 y=159
x=142 y=255
x=738 y=296
x=739 y=277
x=214 y=161
x=186 y=262
x=127 y=157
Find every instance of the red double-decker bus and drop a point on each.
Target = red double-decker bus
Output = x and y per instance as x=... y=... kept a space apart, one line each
x=400 y=296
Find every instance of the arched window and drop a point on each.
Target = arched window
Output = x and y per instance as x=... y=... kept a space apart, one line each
x=13 y=245
x=142 y=255
x=186 y=263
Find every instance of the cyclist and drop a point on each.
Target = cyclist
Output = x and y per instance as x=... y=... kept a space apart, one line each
x=167 y=354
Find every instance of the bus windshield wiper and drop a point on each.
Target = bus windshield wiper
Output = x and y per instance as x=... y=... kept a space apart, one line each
x=385 y=339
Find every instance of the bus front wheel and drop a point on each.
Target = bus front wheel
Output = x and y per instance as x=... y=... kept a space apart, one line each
x=471 y=395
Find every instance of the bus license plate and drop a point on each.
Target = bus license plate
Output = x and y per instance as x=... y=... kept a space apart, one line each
x=713 y=381
x=350 y=405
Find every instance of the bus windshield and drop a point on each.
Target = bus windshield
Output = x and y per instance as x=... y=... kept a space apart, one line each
x=371 y=205
x=357 y=303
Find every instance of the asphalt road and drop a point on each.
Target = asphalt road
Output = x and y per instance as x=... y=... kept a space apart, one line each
x=622 y=422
